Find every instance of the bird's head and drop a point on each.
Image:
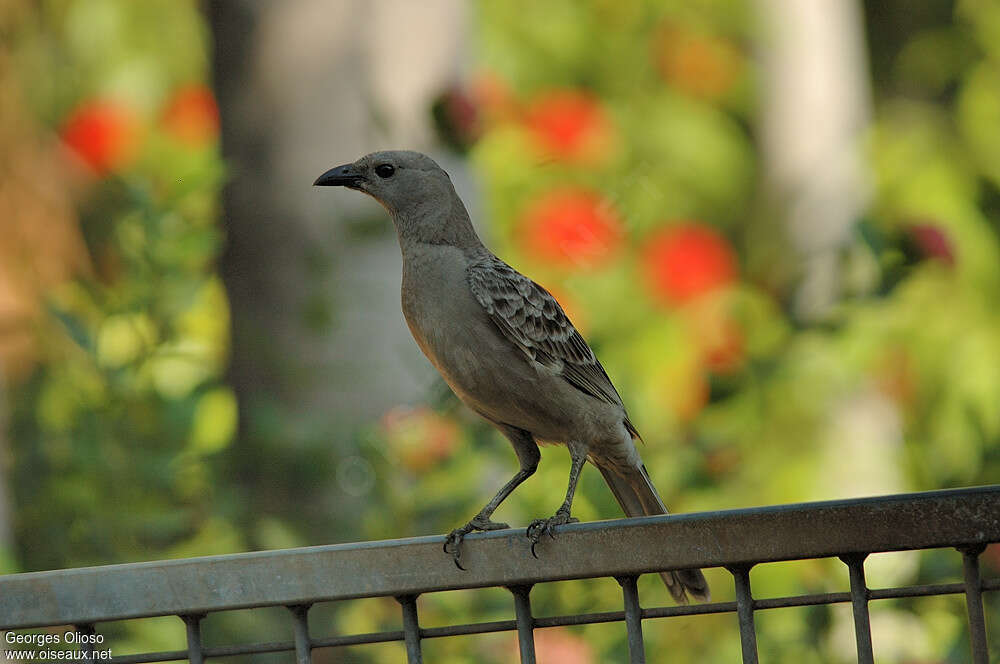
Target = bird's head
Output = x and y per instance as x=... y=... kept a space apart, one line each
x=402 y=181
x=416 y=192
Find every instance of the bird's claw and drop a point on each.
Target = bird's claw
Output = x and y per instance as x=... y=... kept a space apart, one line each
x=453 y=542
x=453 y=546
x=541 y=527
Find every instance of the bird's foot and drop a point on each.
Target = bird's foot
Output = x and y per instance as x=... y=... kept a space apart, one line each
x=540 y=527
x=453 y=543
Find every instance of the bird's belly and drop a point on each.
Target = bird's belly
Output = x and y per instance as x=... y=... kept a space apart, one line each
x=495 y=379
x=517 y=399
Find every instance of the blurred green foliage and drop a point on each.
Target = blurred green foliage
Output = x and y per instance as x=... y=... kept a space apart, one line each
x=114 y=433
x=639 y=117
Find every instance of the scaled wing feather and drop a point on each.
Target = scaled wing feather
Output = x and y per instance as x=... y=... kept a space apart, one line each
x=534 y=322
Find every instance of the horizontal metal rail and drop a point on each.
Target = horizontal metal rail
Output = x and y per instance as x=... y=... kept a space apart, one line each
x=551 y=621
x=965 y=519
x=409 y=567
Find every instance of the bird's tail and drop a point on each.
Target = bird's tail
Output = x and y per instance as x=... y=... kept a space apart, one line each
x=638 y=497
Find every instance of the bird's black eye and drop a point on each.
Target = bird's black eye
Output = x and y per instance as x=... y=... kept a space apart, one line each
x=384 y=170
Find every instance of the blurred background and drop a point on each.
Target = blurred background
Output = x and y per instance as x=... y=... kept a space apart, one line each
x=777 y=223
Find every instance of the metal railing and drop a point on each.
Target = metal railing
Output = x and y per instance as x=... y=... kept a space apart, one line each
x=964 y=519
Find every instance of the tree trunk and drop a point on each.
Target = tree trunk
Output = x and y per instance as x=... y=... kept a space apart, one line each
x=815 y=109
x=319 y=346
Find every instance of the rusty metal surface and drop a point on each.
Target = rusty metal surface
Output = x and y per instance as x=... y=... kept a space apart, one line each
x=624 y=547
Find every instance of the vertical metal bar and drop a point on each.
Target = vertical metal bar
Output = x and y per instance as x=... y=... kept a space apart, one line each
x=525 y=623
x=859 y=601
x=633 y=619
x=303 y=644
x=411 y=629
x=193 y=624
x=744 y=610
x=974 y=604
x=87 y=644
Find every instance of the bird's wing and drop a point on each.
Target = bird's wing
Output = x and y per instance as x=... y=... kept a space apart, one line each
x=530 y=318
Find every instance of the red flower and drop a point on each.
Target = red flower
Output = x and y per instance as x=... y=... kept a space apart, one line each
x=684 y=262
x=192 y=115
x=717 y=334
x=419 y=437
x=493 y=96
x=570 y=125
x=896 y=376
x=570 y=227
x=556 y=644
x=723 y=461
x=725 y=353
x=702 y=65
x=103 y=134
x=458 y=118
x=932 y=242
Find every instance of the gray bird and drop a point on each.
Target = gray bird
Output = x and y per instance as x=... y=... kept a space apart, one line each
x=505 y=347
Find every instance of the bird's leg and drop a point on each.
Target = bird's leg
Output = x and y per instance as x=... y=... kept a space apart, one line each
x=540 y=527
x=528 y=456
x=453 y=543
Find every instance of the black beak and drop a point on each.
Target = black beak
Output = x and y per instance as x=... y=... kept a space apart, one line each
x=339 y=176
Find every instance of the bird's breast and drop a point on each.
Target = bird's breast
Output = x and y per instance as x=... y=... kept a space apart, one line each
x=440 y=310
x=455 y=332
